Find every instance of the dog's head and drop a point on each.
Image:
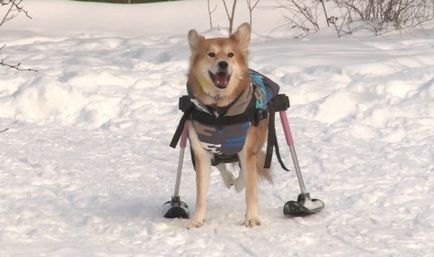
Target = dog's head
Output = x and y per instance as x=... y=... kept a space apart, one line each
x=218 y=66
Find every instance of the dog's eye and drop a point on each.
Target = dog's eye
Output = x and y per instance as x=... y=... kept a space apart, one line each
x=211 y=54
x=230 y=55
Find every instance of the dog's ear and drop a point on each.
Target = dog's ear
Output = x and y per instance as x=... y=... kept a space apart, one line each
x=194 y=40
x=242 y=37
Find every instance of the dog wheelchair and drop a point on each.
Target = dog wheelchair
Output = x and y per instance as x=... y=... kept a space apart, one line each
x=304 y=205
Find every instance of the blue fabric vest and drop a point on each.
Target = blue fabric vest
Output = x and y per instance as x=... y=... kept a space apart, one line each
x=229 y=139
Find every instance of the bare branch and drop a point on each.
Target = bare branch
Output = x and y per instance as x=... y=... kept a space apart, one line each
x=251 y=4
x=8 y=16
x=230 y=15
x=226 y=9
x=14 y=8
x=325 y=12
x=4 y=130
x=210 y=12
x=16 y=66
x=302 y=14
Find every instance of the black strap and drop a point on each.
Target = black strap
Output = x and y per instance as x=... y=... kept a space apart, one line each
x=249 y=115
x=224 y=158
x=272 y=142
x=223 y=110
x=276 y=147
x=221 y=121
x=190 y=112
x=187 y=111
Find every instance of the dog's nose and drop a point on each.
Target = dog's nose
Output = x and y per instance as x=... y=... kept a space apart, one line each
x=223 y=65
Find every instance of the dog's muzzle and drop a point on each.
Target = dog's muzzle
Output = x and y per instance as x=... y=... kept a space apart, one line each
x=222 y=76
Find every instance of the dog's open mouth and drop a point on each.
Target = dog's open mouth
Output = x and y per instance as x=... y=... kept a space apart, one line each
x=220 y=79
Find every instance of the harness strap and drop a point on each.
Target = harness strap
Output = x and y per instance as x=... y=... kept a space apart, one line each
x=190 y=112
x=187 y=108
x=247 y=115
x=272 y=143
x=278 y=103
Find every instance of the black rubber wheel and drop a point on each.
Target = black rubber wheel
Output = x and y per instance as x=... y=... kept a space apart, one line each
x=176 y=209
x=298 y=208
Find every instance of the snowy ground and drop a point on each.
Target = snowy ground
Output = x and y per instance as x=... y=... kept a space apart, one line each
x=85 y=165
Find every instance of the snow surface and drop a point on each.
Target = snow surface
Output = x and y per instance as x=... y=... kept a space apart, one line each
x=85 y=165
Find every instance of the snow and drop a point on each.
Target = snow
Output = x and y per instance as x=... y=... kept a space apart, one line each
x=85 y=165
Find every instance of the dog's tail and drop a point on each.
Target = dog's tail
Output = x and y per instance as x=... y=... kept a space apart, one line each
x=264 y=174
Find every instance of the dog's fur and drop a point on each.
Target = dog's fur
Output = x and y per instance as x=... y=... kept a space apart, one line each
x=217 y=87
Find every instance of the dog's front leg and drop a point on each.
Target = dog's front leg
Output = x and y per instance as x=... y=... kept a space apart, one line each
x=248 y=166
x=203 y=169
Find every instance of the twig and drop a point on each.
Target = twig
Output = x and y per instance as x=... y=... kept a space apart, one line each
x=13 y=9
x=226 y=9
x=251 y=4
x=302 y=16
x=16 y=66
x=4 y=130
x=13 y=6
x=7 y=17
x=210 y=12
x=230 y=16
x=19 y=8
x=325 y=12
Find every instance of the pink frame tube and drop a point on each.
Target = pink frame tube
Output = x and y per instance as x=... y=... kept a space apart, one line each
x=286 y=128
x=183 y=142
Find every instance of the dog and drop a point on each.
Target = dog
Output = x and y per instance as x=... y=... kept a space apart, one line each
x=218 y=77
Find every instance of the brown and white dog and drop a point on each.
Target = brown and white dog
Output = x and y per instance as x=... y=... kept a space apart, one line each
x=218 y=75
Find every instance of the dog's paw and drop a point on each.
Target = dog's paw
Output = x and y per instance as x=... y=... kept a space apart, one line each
x=239 y=184
x=228 y=179
x=227 y=176
x=195 y=224
x=252 y=222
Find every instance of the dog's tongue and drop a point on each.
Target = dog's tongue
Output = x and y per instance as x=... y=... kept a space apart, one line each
x=221 y=79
